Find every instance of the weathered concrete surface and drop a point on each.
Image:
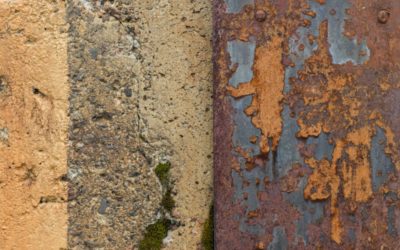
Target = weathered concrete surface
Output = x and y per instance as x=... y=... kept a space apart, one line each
x=175 y=105
x=33 y=124
x=141 y=93
x=113 y=192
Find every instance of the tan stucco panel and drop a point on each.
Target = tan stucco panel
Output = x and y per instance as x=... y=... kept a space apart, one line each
x=33 y=124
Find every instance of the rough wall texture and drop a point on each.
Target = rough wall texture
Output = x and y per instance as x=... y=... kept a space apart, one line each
x=306 y=125
x=175 y=105
x=33 y=124
x=113 y=192
x=141 y=93
x=129 y=83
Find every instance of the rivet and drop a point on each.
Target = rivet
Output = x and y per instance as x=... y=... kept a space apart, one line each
x=261 y=15
x=383 y=16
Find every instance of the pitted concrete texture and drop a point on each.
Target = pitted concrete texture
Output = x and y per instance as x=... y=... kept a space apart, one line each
x=175 y=104
x=141 y=93
x=113 y=193
x=33 y=124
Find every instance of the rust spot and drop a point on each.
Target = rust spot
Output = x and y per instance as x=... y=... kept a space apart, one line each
x=383 y=16
x=252 y=214
x=260 y=246
x=261 y=15
x=320 y=1
x=306 y=23
x=310 y=13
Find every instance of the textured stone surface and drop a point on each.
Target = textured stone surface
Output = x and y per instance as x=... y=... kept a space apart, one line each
x=134 y=77
x=33 y=124
x=113 y=191
x=141 y=93
x=175 y=104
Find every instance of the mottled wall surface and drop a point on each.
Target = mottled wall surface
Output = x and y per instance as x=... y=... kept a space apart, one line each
x=113 y=192
x=33 y=124
x=175 y=105
x=94 y=94
x=140 y=94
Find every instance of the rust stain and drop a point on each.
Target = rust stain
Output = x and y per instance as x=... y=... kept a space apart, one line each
x=330 y=84
x=266 y=88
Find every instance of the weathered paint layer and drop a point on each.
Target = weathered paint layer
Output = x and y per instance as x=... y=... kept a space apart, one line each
x=307 y=142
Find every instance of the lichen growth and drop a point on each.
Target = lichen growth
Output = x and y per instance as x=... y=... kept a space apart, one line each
x=155 y=233
x=207 y=237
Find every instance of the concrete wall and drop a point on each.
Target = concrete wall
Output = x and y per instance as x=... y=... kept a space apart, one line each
x=95 y=95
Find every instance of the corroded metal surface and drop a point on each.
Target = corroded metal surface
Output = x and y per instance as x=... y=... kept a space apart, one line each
x=307 y=124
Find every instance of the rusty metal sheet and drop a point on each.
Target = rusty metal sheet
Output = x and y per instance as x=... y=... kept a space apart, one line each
x=307 y=124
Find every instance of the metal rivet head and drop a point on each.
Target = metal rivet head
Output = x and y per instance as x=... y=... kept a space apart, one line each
x=383 y=16
x=261 y=15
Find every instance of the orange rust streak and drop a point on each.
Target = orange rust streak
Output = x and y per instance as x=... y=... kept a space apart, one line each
x=354 y=172
x=266 y=88
x=318 y=186
x=358 y=185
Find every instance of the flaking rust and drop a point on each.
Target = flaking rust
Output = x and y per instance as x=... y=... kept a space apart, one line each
x=306 y=124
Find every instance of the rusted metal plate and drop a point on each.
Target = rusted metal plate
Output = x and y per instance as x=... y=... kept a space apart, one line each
x=307 y=124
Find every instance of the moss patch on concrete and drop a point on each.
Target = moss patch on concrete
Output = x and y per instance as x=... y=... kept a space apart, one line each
x=162 y=172
x=168 y=202
x=207 y=237
x=155 y=233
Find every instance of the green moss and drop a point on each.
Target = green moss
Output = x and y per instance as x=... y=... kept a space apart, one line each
x=167 y=201
x=162 y=172
x=155 y=233
x=207 y=237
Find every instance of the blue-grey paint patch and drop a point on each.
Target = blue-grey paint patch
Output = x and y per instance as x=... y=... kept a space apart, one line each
x=381 y=164
x=323 y=150
x=342 y=48
x=279 y=242
x=235 y=6
x=241 y=53
x=251 y=203
x=288 y=153
x=312 y=212
x=243 y=127
x=252 y=189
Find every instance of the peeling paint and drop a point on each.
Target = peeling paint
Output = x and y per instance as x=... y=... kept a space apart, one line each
x=306 y=122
